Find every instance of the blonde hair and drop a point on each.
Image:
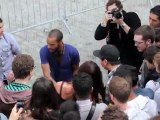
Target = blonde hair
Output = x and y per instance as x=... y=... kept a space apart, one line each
x=157 y=60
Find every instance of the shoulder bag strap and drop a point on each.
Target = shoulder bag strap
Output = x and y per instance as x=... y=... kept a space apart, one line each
x=91 y=112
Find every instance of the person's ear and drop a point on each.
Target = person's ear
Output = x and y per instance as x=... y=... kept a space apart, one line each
x=148 y=42
x=31 y=72
x=105 y=61
x=111 y=96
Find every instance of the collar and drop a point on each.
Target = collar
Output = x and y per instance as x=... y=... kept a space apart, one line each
x=113 y=70
x=82 y=102
x=111 y=74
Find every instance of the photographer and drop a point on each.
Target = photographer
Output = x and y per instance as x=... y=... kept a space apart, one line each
x=118 y=28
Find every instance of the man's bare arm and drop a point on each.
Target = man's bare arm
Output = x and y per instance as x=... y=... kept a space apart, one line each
x=46 y=72
x=75 y=68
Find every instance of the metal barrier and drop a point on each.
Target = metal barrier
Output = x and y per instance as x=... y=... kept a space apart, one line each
x=23 y=15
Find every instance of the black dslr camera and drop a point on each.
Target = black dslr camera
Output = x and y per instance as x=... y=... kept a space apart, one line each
x=117 y=14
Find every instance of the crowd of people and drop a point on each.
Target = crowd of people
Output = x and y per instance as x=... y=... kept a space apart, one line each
x=69 y=90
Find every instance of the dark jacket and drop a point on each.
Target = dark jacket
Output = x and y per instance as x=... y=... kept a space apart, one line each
x=124 y=42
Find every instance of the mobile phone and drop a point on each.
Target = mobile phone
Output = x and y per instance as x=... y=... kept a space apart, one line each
x=20 y=104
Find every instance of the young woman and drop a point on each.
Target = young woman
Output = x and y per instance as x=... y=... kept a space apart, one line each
x=93 y=69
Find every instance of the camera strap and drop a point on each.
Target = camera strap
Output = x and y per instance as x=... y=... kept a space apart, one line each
x=91 y=112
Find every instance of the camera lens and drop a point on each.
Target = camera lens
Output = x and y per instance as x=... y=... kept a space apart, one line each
x=117 y=14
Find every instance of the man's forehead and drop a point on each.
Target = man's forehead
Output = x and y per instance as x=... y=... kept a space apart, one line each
x=138 y=37
x=52 y=39
x=154 y=16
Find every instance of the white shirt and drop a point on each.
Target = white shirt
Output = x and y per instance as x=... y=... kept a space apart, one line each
x=152 y=85
x=145 y=104
x=157 y=98
x=136 y=114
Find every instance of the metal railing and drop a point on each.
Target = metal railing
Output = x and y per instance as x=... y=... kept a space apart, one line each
x=20 y=15
x=23 y=15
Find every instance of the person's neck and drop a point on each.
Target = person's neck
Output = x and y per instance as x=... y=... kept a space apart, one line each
x=23 y=81
x=62 y=47
x=122 y=106
x=112 y=67
x=132 y=96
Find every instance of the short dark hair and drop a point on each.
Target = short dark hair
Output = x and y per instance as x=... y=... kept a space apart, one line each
x=147 y=32
x=127 y=72
x=1 y=21
x=71 y=115
x=150 y=52
x=114 y=113
x=69 y=109
x=117 y=2
x=120 y=88
x=56 y=33
x=44 y=96
x=22 y=66
x=82 y=84
x=156 y=10
x=157 y=35
x=68 y=105
x=93 y=69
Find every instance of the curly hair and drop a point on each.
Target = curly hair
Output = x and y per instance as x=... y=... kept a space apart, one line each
x=114 y=113
x=22 y=65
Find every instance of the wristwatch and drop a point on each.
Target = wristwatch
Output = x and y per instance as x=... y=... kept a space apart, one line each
x=123 y=25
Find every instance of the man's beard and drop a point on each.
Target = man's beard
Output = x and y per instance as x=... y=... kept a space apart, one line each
x=57 y=52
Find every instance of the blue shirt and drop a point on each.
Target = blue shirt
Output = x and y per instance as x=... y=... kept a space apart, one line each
x=62 y=71
x=8 y=49
x=145 y=92
x=3 y=117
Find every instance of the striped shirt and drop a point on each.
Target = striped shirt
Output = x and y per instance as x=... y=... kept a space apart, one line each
x=17 y=86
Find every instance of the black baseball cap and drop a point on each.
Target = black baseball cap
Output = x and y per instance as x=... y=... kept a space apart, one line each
x=108 y=52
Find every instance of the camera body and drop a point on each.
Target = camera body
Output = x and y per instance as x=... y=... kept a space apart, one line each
x=117 y=14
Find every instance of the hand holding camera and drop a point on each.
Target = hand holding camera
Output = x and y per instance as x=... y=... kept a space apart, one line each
x=115 y=16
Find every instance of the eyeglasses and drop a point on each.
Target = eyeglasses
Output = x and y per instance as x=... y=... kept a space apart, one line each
x=138 y=43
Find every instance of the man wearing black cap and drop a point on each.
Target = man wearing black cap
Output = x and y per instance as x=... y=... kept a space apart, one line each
x=110 y=58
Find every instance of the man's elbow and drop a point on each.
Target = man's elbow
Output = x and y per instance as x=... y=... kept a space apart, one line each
x=97 y=37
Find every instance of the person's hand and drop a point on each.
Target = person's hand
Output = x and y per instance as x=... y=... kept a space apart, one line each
x=118 y=21
x=15 y=113
x=105 y=19
x=10 y=76
x=108 y=15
